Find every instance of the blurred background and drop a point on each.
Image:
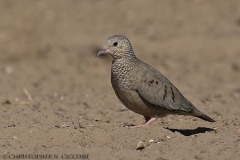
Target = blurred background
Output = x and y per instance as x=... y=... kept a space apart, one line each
x=49 y=74
x=39 y=36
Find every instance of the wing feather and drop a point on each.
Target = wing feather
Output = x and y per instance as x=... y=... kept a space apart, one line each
x=156 y=90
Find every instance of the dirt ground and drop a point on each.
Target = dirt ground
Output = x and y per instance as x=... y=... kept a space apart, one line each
x=56 y=96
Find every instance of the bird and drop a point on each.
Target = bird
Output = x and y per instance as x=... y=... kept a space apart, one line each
x=142 y=88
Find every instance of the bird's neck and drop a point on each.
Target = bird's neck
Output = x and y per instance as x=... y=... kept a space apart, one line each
x=129 y=54
x=125 y=61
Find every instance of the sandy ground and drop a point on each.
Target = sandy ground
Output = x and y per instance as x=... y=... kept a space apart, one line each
x=56 y=96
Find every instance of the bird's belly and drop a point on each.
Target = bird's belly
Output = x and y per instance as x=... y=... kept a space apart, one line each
x=132 y=101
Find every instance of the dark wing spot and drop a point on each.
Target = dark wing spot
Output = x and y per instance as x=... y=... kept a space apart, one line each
x=165 y=92
x=156 y=82
x=173 y=96
x=150 y=82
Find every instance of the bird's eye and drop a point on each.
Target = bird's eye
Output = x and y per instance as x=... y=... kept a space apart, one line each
x=115 y=44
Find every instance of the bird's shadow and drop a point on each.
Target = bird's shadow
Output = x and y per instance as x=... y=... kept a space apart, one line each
x=189 y=132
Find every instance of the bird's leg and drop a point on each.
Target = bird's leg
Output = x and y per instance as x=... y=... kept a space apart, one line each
x=148 y=122
x=147 y=118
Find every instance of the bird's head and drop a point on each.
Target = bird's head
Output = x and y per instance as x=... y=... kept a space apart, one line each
x=117 y=46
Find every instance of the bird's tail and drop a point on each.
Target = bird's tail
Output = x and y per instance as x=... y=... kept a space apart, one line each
x=206 y=118
x=201 y=115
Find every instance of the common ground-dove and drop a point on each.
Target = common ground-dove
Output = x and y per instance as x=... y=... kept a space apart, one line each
x=141 y=88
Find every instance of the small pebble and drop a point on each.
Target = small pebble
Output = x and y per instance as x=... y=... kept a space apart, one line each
x=151 y=141
x=64 y=125
x=140 y=145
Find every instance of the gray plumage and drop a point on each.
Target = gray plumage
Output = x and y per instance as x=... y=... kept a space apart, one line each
x=140 y=87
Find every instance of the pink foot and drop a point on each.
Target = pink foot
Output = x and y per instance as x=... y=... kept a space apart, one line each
x=149 y=122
